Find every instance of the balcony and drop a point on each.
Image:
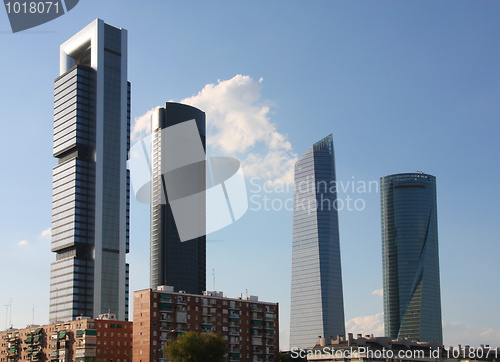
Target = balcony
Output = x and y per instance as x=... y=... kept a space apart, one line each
x=181 y=300
x=165 y=307
x=166 y=298
x=37 y=340
x=269 y=317
x=234 y=340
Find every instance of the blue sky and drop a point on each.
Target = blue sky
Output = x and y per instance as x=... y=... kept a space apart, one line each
x=402 y=86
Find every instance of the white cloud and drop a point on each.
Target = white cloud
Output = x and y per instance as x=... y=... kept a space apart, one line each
x=372 y=324
x=379 y=292
x=455 y=333
x=23 y=242
x=46 y=234
x=239 y=125
x=142 y=126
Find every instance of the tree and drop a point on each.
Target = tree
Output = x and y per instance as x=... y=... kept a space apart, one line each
x=196 y=347
x=287 y=357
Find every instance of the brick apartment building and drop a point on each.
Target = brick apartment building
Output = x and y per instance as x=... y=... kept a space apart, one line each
x=84 y=339
x=249 y=326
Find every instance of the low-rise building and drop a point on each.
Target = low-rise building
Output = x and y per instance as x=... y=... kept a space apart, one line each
x=249 y=326
x=83 y=339
x=369 y=348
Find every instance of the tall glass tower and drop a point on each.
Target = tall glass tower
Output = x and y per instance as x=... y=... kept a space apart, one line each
x=412 y=301
x=317 y=304
x=177 y=198
x=90 y=190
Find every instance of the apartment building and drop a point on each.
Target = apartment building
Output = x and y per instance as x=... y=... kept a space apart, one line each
x=83 y=339
x=249 y=326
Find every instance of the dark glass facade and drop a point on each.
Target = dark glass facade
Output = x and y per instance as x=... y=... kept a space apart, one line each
x=412 y=302
x=317 y=306
x=181 y=264
x=90 y=203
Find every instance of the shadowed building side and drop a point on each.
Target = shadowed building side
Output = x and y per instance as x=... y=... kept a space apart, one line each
x=177 y=263
x=412 y=298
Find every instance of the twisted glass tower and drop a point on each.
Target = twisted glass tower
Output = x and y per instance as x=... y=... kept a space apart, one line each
x=317 y=305
x=178 y=177
x=412 y=301
x=90 y=190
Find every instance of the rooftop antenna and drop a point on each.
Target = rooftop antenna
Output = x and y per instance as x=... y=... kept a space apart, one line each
x=213 y=275
x=33 y=317
x=6 y=316
x=246 y=291
x=10 y=313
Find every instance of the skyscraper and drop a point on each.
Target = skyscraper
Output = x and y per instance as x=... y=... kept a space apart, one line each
x=412 y=301
x=178 y=175
x=90 y=191
x=317 y=305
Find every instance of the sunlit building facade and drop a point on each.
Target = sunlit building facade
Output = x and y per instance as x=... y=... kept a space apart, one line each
x=317 y=306
x=90 y=192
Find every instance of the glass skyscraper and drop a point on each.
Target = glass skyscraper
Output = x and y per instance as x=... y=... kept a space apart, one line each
x=317 y=305
x=412 y=301
x=178 y=199
x=90 y=190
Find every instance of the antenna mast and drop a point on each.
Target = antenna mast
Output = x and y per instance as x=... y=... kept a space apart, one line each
x=10 y=313
x=6 y=316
